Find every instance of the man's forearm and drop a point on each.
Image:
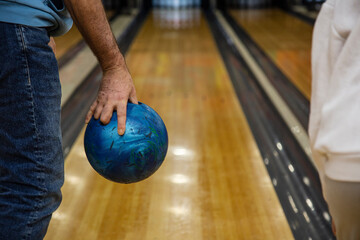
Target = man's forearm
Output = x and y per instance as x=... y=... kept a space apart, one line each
x=90 y=18
x=116 y=87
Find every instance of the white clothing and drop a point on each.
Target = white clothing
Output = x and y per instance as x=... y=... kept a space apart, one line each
x=334 y=127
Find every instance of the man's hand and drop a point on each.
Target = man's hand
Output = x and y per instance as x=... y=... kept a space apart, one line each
x=115 y=91
x=116 y=87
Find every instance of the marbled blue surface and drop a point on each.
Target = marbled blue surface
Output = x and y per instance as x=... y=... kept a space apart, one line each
x=132 y=157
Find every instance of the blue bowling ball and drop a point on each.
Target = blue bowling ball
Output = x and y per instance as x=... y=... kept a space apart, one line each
x=132 y=157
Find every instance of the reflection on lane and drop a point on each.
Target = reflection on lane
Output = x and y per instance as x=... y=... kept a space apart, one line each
x=177 y=18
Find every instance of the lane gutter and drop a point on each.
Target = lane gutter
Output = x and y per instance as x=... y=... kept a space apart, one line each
x=290 y=119
x=296 y=101
x=309 y=20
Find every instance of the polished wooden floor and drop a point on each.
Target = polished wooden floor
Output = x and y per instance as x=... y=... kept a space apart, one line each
x=213 y=183
x=286 y=40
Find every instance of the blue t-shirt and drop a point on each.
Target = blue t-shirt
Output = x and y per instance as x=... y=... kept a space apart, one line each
x=50 y=14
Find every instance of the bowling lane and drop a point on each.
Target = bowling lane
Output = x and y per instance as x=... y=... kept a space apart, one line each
x=213 y=183
x=286 y=40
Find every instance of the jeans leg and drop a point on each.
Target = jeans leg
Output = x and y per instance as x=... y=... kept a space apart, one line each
x=31 y=160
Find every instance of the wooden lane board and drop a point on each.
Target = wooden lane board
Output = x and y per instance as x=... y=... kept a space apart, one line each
x=286 y=40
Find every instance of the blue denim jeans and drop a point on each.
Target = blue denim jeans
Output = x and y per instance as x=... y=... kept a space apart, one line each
x=31 y=159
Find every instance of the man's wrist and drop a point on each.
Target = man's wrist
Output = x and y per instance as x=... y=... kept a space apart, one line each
x=113 y=63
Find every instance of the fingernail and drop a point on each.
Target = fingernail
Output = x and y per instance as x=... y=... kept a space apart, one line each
x=121 y=131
